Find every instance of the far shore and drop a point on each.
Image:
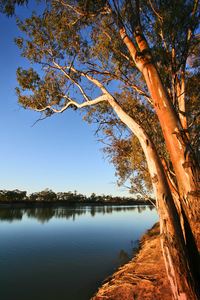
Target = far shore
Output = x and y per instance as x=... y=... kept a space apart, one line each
x=35 y=204
x=50 y=198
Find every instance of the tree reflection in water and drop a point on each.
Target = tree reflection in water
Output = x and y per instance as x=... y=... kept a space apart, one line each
x=62 y=252
x=44 y=214
x=10 y=215
x=124 y=257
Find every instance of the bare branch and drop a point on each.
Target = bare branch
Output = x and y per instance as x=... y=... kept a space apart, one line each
x=161 y=30
x=116 y=77
x=139 y=190
x=69 y=77
x=72 y=8
x=194 y=119
x=79 y=12
x=155 y=11
x=190 y=34
x=74 y=103
x=91 y=79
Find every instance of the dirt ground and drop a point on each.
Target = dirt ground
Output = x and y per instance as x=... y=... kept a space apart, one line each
x=144 y=277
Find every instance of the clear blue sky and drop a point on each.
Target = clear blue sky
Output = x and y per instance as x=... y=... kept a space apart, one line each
x=59 y=153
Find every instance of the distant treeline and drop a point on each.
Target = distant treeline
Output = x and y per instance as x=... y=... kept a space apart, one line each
x=66 y=197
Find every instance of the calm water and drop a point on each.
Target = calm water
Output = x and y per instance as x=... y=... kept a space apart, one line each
x=65 y=253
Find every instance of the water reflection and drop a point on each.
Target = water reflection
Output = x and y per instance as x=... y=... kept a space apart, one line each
x=7 y=214
x=44 y=214
x=124 y=257
x=74 y=250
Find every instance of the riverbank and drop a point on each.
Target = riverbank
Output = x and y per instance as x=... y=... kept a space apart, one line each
x=144 y=277
x=39 y=204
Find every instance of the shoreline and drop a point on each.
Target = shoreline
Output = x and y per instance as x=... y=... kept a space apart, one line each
x=144 y=277
x=35 y=204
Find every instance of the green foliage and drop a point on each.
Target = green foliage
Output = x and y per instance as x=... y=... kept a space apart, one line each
x=71 y=40
x=8 y=6
x=11 y=196
x=49 y=90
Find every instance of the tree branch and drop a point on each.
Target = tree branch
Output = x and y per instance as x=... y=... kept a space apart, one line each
x=69 y=77
x=74 y=103
x=127 y=81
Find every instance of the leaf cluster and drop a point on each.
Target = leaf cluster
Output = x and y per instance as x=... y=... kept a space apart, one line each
x=50 y=89
x=8 y=7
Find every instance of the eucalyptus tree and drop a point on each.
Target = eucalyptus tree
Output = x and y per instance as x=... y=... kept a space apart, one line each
x=150 y=47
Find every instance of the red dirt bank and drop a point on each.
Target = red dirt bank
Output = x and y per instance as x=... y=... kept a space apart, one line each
x=144 y=277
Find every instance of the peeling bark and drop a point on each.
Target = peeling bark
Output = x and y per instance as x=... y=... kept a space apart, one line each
x=181 y=271
x=181 y=104
x=181 y=153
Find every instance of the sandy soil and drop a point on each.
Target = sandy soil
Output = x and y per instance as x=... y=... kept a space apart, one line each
x=144 y=277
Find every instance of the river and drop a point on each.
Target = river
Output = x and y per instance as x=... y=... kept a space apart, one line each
x=64 y=253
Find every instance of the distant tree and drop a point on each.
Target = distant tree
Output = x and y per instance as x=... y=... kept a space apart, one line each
x=62 y=196
x=14 y=195
x=151 y=47
x=2 y=195
x=33 y=196
x=93 y=197
x=80 y=197
x=47 y=195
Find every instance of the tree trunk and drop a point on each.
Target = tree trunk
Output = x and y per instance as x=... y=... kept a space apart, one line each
x=181 y=271
x=179 y=247
x=185 y=167
x=181 y=153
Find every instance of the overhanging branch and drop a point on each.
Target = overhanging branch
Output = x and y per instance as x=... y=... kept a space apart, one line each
x=74 y=103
